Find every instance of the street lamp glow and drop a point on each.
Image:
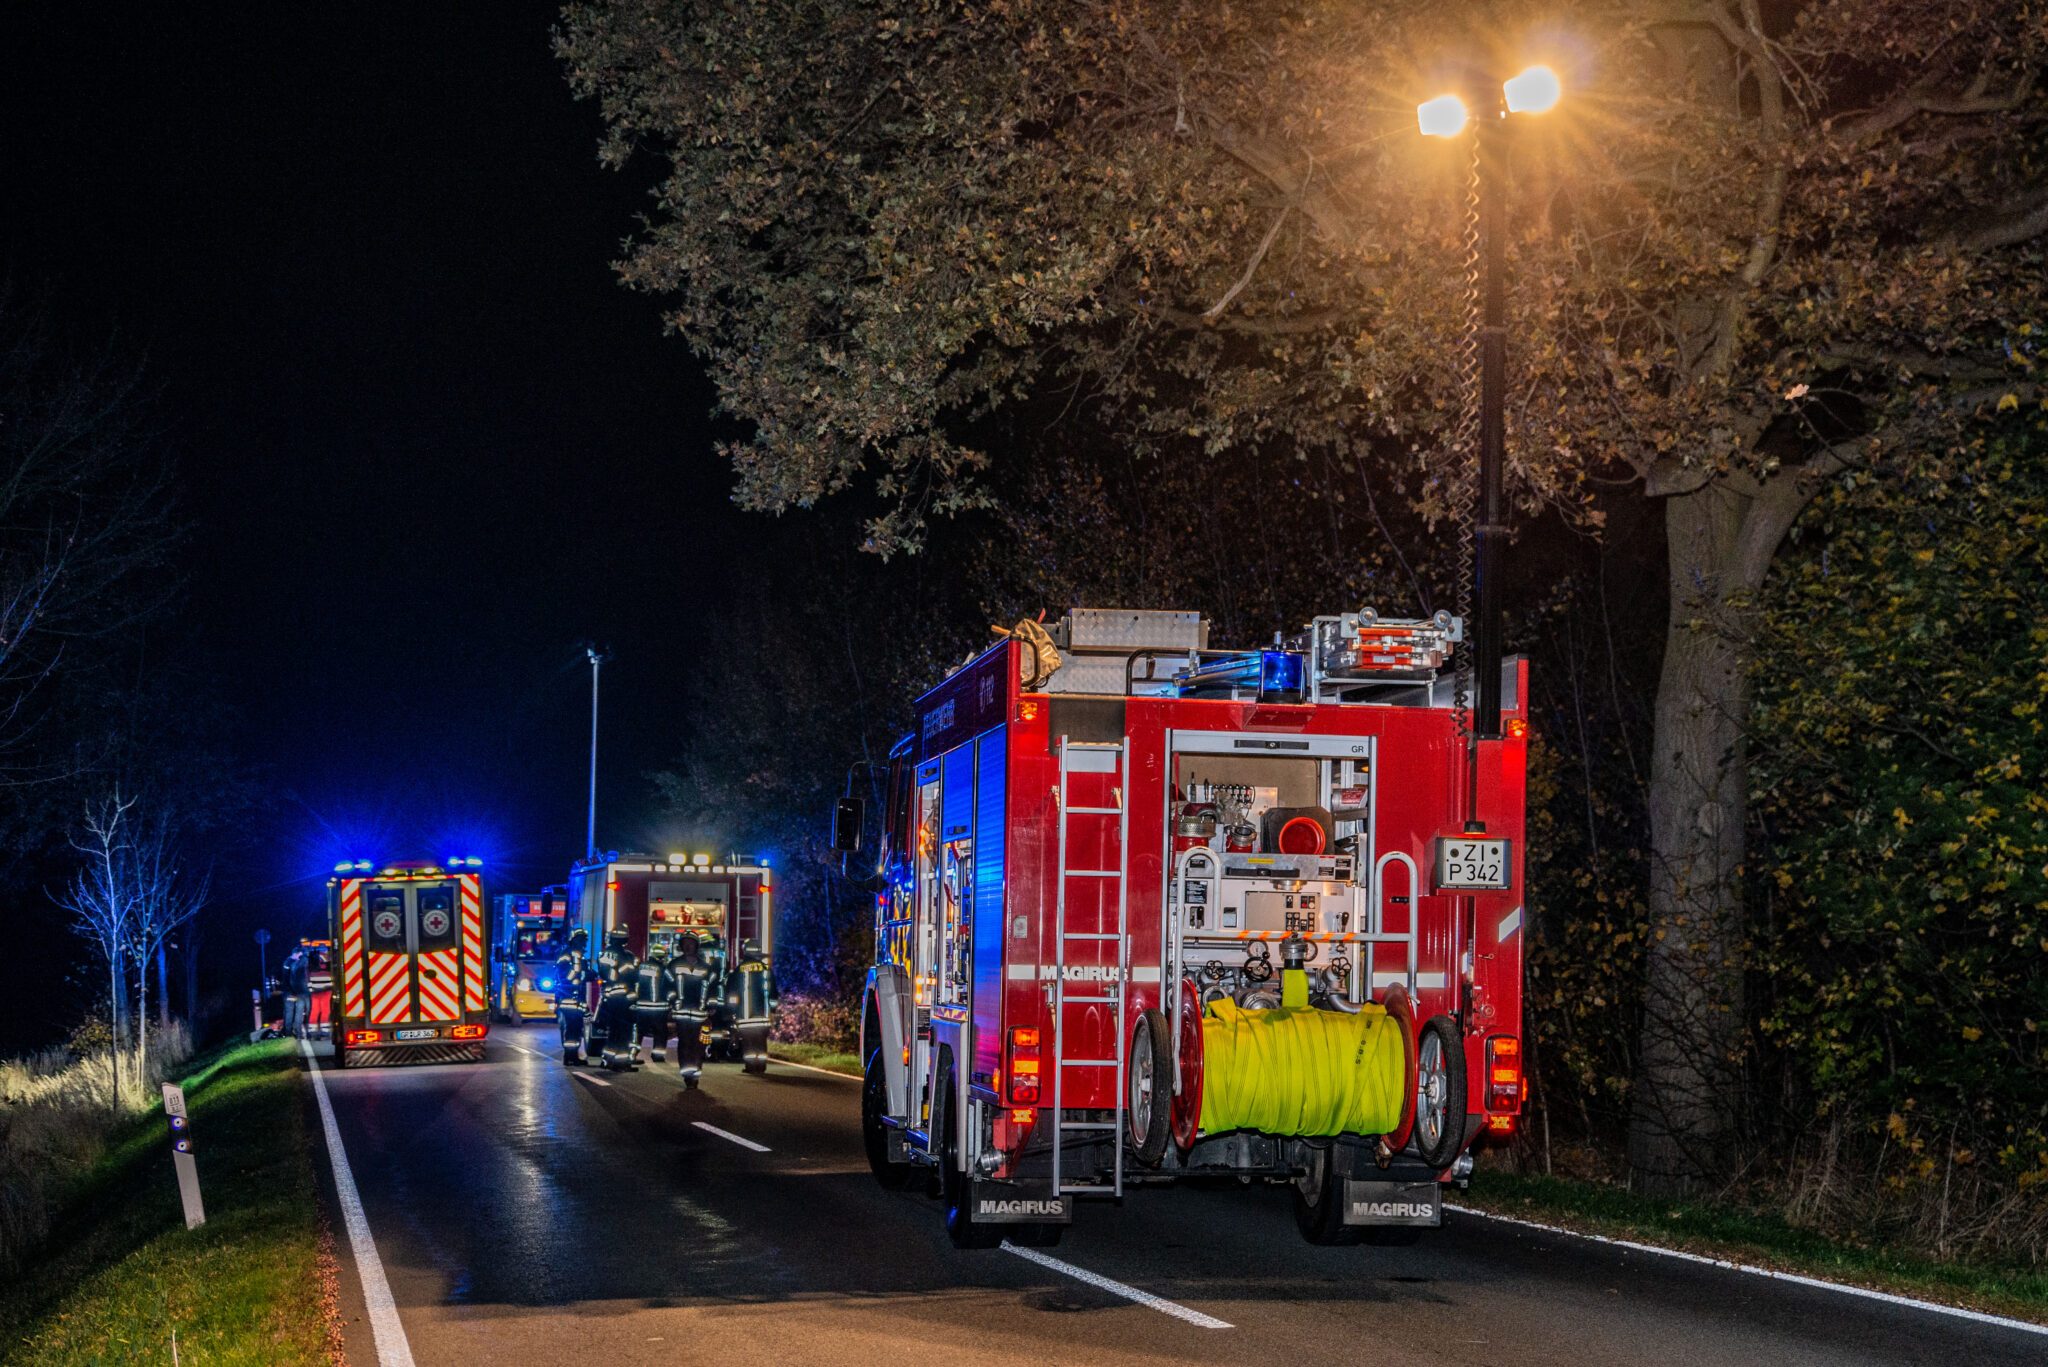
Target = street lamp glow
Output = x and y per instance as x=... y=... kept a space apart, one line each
x=1442 y=117
x=1532 y=92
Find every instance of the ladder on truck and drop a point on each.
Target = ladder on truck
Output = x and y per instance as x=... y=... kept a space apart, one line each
x=1091 y=757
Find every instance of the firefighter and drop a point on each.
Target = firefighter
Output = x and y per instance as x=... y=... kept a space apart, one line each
x=750 y=995
x=696 y=989
x=615 y=972
x=653 y=993
x=572 y=972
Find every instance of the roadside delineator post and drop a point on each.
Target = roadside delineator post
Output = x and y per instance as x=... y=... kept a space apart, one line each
x=181 y=1155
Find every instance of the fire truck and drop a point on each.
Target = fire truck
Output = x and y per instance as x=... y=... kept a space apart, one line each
x=656 y=898
x=410 y=975
x=528 y=932
x=1151 y=911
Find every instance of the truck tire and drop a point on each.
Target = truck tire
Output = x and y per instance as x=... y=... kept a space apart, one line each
x=874 y=1135
x=955 y=1190
x=1319 y=1201
x=1439 y=1093
x=1148 y=1088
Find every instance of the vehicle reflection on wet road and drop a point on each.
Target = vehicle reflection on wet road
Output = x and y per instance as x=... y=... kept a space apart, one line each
x=525 y=1213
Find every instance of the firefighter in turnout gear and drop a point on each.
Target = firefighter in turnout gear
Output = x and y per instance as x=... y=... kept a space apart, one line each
x=572 y=971
x=696 y=989
x=750 y=996
x=653 y=994
x=616 y=971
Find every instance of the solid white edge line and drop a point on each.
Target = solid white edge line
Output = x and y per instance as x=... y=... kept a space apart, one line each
x=1116 y=1288
x=1843 y=1287
x=727 y=1134
x=385 y=1328
x=593 y=1081
x=823 y=1072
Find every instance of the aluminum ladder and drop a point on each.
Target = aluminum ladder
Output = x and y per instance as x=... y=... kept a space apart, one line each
x=1118 y=755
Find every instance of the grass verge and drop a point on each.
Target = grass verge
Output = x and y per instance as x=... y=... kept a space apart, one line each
x=121 y=1271
x=817 y=1056
x=1721 y=1231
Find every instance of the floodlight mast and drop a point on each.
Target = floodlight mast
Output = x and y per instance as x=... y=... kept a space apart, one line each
x=590 y=830
x=1531 y=92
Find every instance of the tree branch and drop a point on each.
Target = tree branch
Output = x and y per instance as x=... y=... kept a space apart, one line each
x=2020 y=221
x=1215 y=311
x=1264 y=159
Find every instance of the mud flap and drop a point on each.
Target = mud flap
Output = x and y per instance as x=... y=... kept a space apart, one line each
x=1393 y=1203
x=1018 y=1203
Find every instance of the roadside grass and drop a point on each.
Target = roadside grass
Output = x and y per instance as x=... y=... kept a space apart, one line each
x=1717 y=1230
x=816 y=1056
x=120 y=1271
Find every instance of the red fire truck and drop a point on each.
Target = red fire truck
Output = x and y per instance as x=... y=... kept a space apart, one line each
x=1107 y=847
x=657 y=898
x=411 y=973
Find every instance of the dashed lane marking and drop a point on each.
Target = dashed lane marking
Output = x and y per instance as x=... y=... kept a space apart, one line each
x=385 y=1329
x=1774 y=1275
x=728 y=1134
x=593 y=1081
x=1116 y=1288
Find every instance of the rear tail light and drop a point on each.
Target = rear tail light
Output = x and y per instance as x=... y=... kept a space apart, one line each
x=356 y=1037
x=470 y=1031
x=1504 y=1074
x=1023 y=1069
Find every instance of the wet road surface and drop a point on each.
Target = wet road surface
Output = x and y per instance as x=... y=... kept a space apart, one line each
x=530 y=1213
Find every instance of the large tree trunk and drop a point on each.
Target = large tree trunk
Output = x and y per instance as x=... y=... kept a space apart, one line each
x=1687 y=1072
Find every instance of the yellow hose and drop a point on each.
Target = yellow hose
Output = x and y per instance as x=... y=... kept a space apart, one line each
x=1299 y=1070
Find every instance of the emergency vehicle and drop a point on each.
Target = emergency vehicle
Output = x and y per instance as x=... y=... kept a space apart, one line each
x=412 y=981
x=529 y=929
x=1106 y=847
x=657 y=898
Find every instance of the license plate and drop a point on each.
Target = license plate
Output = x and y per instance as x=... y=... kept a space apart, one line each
x=1464 y=863
x=419 y=1034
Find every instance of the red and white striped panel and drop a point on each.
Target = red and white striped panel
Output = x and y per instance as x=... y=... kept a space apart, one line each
x=352 y=949
x=439 y=987
x=390 y=989
x=472 y=944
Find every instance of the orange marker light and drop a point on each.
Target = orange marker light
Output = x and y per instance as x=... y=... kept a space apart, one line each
x=1517 y=728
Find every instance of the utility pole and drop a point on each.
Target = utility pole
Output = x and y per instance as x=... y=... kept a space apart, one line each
x=590 y=831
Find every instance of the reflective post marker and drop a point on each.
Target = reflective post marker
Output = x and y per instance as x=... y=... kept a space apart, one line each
x=181 y=1155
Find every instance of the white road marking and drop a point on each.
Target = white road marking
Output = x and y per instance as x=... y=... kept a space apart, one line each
x=1115 y=1288
x=727 y=1134
x=594 y=1081
x=385 y=1329
x=1773 y=1274
x=789 y=1063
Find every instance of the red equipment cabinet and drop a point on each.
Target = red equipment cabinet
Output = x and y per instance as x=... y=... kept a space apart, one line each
x=1049 y=882
x=411 y=974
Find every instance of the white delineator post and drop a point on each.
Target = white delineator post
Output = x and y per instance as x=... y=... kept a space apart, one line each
x=181 y=1155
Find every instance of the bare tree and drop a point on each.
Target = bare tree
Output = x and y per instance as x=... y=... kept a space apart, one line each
x=166 y=897
x=101 y=898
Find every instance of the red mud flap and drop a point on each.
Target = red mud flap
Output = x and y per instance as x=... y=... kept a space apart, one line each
x=366 y=1056
x=1393 y=1203
x=1018 y=1203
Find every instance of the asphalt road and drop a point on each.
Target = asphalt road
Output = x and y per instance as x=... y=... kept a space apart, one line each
x=525 y=1214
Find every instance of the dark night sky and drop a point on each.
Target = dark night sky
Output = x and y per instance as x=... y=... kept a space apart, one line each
x=428 y=445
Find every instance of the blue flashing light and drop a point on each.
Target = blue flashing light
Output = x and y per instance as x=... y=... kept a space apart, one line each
x=546 y=983
x=764 y=861
x=343 y=867
x=363 y=864
x=1279 y=675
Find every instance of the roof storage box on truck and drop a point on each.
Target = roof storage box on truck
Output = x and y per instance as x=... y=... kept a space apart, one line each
x=1151 y=910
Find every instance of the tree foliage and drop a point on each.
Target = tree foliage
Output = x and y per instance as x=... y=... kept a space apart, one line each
x=1903 y=774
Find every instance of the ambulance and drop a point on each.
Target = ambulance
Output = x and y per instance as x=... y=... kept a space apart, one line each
x=411 y=970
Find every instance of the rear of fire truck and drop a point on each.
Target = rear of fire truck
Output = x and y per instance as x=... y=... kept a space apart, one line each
x=529 y=932
x=723 y=902
x=1152 y=911
x=411 y=972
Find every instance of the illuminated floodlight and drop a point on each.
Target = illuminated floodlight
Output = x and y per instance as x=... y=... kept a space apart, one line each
x=1442 y=117
x=701 y=860
x=679 y=859
x=1532 y=92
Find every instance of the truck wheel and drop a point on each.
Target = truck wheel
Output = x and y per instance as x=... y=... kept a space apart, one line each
x=1439 y=1092
x=1319 y=1202
x=756 y=1065
x=1148 y=1088
x=954 y=1187
x=874 y=1135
